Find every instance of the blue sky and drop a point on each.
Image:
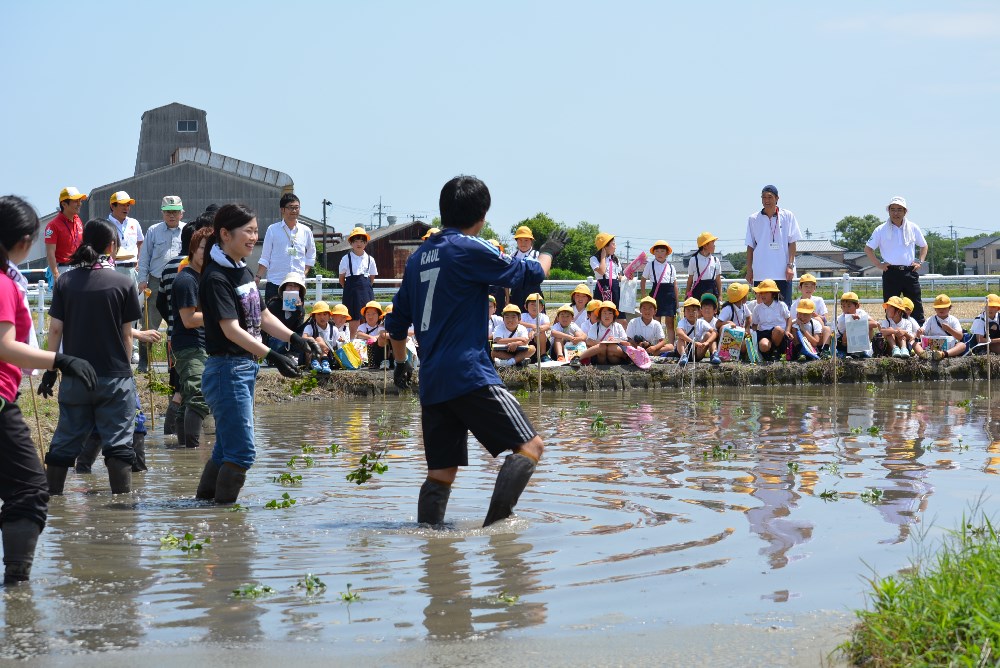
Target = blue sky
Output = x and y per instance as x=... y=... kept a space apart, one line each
x=650 y=119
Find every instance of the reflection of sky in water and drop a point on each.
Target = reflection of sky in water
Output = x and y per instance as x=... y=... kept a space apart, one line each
x=692 y=508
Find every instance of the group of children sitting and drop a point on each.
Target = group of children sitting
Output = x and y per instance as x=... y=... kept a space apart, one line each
x=588 y=330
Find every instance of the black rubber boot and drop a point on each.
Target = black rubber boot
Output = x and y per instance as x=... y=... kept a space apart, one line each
x=192 y=429
x=139 y=445
x=19 y=539
x=209 y=476
x=229 y=483
x=511 y=481
x=433 y=502
x=56 y=476
x=170 y=419
x=119 y=475
x=85 y=460
x=179 y=427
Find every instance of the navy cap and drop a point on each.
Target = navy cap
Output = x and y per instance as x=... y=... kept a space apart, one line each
x=769 y=189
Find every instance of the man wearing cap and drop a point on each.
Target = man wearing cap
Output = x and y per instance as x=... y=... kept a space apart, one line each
x=130 y=239
x=64 y=232
x=525 y=240
x=288 y=247
x=162 y=244
x=895 y=240
x=771 y=237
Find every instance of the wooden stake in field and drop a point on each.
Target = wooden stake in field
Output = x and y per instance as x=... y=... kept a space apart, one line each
x=38 y=423
x=833 y=356
x=989 y=373
x=149 y=364
x=538 y=343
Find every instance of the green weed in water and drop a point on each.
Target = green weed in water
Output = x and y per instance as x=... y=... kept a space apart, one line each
x=793 y=467
x=308 y=449
x=739 y=411
x=301 y=460
x=312 y=585
x=186 y=543
x=832 y=468
x=287 y=478
x=778 y=411
x=872 y=388
x=632 y=406
x=830 y=495
x=583 y=407
x=718 y=453
x=874 y=430
x=405 y=433
x=856 y=430
x=159 y=387
x=599 y=426
x=350 y=596
x=507 y=599
x=369 y=464
x=307 y=383
x=872 y=495
x=238 y=508
x=286 y=501
x=333 y=448
x=253 y=591
x=522 y=394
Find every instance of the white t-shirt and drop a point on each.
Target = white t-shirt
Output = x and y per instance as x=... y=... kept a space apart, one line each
x=358 y=265
x=652 y=333
x=331 y=334
x=895 y=244
x=817 y=301
x=979 y=324
x=527 y=319
x=612 y=264
x=905 y=324
x=769 y=237
x=502 y=332
x=374 y=331
x=495 y=323
x=705 y=267
x=663 y=273
x=932 y=326
x=573 y=329
x=696 y=331
x=598 y=332
x=814 y=327
x=582 y=318
x=767 y=317
x=734 y=314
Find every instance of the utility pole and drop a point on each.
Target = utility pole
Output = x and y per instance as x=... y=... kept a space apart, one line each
x=628 y=251
x=380 y=210
x=951 y=228
x=322 y=258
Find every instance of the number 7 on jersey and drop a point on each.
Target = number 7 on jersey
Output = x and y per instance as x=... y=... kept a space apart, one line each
x=429 y=276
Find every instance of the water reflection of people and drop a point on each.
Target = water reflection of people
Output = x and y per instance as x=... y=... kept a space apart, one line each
x=907 y=496
x=454 y=612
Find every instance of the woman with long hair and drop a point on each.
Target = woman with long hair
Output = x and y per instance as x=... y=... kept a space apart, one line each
x=23 y=486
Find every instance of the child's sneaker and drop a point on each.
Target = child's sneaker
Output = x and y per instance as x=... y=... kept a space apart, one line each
x=524 y=362
x=575 y=362
x=325 y=367
x=904 y=352
x=384 y=364
x=683 y=361
x=715 y=359
x=506 y=362
x=896 y=352
x=316 y=367
x=546 y=358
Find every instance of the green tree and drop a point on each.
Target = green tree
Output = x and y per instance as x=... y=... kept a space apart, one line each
x=853 y=232
x=738 y=260
x=575 y=257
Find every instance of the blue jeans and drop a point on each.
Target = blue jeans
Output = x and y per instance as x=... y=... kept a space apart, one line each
x=228 y=386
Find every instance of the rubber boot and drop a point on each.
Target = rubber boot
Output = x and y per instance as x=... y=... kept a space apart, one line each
x=85 y=460
x=139 y=445
x=229 y=483
x=119 y=475
x=192 y=429
x=170 y=418
x=209 y=476
x=433 y=502
x=511 y=481
x=19 y=539
x=56 y=476
x=179 y=426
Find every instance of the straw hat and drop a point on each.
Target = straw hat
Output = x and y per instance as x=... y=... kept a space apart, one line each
x=648 y=300
x=340 y=309
x=894 y=302
x=942 y=301
x=319 y=307
x=603 y=239
x=372 y=304
x=358 y=232
x=691 y=301
x=806 y=306
x=736 y=292
x=850 y=297
x=429 y=232
x=511 y=308
x=706 y=238
x=806 y=278
x=767 y=285
x=610 y=305
x=593 y=305
x=661 y=243
x=582 y=289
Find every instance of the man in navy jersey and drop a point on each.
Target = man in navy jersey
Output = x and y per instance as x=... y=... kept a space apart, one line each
x=444 y=294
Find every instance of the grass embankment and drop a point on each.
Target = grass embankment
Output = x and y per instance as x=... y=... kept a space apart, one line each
x=945 y=611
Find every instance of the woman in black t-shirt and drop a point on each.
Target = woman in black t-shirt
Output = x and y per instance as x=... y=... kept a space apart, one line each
x=233 y=317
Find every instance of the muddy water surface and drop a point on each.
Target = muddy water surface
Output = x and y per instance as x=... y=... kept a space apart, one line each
x=708 y=515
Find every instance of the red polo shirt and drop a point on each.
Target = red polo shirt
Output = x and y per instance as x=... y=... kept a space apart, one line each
x=65 y=235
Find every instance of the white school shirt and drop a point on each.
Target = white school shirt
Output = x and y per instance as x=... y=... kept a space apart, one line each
x=286 y=250
x=664 y=274
x=572 y=330
x=495 y=323
x=932 y=326
x=735 y=314
x=652 y=333
x=709 y=265
x=374 y=331
x=332 y=334
x=696 y=331
x=842 y=320
x=979 y=324
x=896 y=244
x=818 y=302
x=531 y=254
x=905 y=324
x=528 y=320
x=768 y=317
x=814 y=326
x=502 y=332
x=610 y=261
x=762 y=234
x=581 y=318
x=598 y=332
x=358 y=265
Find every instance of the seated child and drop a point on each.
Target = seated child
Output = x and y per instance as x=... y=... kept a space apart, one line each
x=292 y=319
x=511 y=344
x=942 y=323
x=664 y=286
x=770 y=317
x=709 y=307
x=568 y=340
x=979 y=327
x=494 y=321
x=579 y=299
x=897 y=330
x=812 y=329
x=593 y=314
x=321 y=328
x=807 y=288
x=694 y=334
x=374 y=335
x=647 y=332
x=735 y=312
x=851 y=307
x=604 y=337
x=534 y=320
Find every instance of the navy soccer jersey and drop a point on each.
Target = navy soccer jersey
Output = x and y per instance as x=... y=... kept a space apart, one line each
x=445 y=295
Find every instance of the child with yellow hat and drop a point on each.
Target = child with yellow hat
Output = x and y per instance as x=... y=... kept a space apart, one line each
x=850 y=307
x=896 y=330
x=770 y=318
x=372 y=333
x=805 y=327
x=525 y=240
x=537 y=323
x=568 y=339
x=357 y=276
x=986 y=327
x=735 y=314
x=664 y=286
x=511 y=345
x=807 y=290
x=695 y=336
x=604 y=337
x=607 y=269
x=704 y=269
x=939 y=327
x=578 y=300
x=646 y=331
x=321 y=329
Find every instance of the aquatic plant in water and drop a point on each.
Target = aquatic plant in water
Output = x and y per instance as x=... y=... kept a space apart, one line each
x=301 y=460
x=238 y=508
x=349 y=596
x=830 y=495
x=286 y=501
x=371 y=462
x=718 y=453
x=312 y=585
x=332 y=449
x=253 y=591
x=872 y=495
x=507 y=599
x=287 y=478
x=185 y=543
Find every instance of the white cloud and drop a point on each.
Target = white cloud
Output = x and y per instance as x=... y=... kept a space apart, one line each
x=943 y=25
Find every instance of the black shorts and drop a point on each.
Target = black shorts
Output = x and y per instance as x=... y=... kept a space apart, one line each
x=666 y=301
x=764 y=334
x=491 y=413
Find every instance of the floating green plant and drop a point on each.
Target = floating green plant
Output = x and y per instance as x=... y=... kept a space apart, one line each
x=405 y=433
x=793 y=467
x=582 y=407
x=832 y=468
x=286 y=501
x=332 y=449
x=522 y=394
x=718 y=453
x=350 y=596
x=312 y=585
x=305 y=461
x=305 y=384
x=369 y=465
x=308 y=449
x=830 y=495
x=238 y=508
x=856 y=430
x=287 y=478
x=599 y=426
x=185 y=543
x=253 y=591
x=507 y=599
x=872 y=388
x=778 y=411
x=872 y=495
x=874 y=430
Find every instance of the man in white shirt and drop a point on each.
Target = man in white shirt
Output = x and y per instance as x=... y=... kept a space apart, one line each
x=129 y=242
x=288 y=247
x=162 y=244
x=895 y=240
x=771 y=237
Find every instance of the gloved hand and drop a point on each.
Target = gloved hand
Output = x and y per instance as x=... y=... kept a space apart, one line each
x=283 y=363
x=304 y=345
x=555 y=243
x=78 y=367
x=48 y=383
x=403 y=375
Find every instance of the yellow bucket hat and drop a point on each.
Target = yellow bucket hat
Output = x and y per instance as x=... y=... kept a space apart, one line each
x=850 y=297
x=534 y=297
x=648 y=300
x=319 y=307
x=658 y=244
x=907 y=303
x=736 y=292
x=806 y=278
x=511 y=308
x=340 y=309
x=894 y=302
x=767 y=285
x=358 y=232
x=603 y=239
x=706 y=238
x=372 y=304
x=942 y=301
x=524 y=232
x=610 y=305
x=429 y=232
x=806 y=306
x=993 y=300
x=691 y=301
x=593 y=305
x=565 y=308
x=582 y=289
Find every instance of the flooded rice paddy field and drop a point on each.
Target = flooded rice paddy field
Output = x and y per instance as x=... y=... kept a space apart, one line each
x=655 y=519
